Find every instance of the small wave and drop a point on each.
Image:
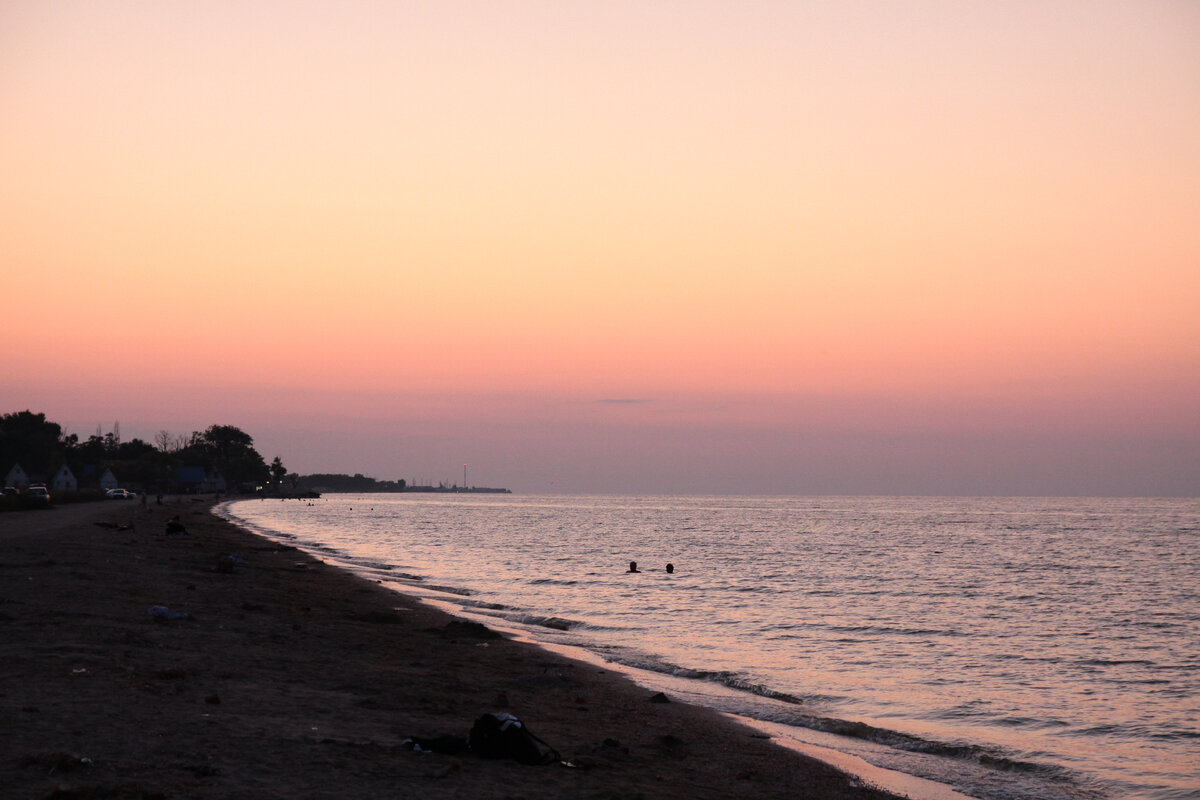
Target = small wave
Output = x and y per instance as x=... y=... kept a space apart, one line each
x=521 y=618
x=564 y=624
x=458 y=590
x=482 y=606
x=1028 y=658
x=373 y=565
x=1170 y=736
x=551 y=582
x=762 y=691
x=885 y=630
x=1101 y=730
x=732 y=680
x=1030 y=723
x=988 y=757
x=556 y=623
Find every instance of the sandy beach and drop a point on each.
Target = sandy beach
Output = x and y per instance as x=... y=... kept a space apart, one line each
x=291 y=678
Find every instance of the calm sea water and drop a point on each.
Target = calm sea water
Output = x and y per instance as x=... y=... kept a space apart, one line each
x=1012 y=648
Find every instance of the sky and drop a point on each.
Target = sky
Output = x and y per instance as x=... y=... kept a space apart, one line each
x=939 y=248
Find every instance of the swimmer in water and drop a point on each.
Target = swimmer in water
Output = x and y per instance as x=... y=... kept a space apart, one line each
x=633 y=567
x=670 y=568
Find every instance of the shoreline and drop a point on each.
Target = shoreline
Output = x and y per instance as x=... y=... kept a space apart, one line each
x=292 y=677
x=825 y=748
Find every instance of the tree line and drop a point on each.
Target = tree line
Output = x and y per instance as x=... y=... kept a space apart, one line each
x=337 y=482
x=41 y=447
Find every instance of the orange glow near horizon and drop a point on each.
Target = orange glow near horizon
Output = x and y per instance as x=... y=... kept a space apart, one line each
x=867 y=201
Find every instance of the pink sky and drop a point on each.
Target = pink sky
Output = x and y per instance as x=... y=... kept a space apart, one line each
x=783 y=247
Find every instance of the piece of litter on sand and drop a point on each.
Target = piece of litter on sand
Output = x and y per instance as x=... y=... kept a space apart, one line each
x=163 y=613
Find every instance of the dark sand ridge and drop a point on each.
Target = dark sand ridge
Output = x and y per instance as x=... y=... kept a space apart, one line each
x=295 y=679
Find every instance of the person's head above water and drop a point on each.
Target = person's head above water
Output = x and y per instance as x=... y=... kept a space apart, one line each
x=670 y=567
x=633 y=566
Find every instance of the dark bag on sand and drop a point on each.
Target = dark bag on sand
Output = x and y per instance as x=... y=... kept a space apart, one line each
x=505 y=736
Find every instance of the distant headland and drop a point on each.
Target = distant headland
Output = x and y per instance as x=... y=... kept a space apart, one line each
x=334 y=483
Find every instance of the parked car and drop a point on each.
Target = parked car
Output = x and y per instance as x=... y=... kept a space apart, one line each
x=119 y=494
x=38 y=494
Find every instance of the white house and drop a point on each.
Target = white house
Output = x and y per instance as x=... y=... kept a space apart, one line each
x=16 y=477
x=63 y=480
x=108 y=480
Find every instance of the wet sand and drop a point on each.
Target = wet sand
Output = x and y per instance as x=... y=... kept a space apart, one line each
x=294 y=679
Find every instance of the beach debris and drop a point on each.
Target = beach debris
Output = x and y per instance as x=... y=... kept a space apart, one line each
x=502 y=735
x=659 y=698
x=115 y=526
x=58 y=762
x=447 y=744
x=175 y=526
x=162 y=614
x=672 y=746
x=227 y=561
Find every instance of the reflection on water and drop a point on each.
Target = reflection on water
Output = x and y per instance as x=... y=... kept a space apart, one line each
x=1052 y=644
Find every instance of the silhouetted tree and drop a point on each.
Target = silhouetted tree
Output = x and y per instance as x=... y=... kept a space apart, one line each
x=96 y=450
x=30 y=440
x=278 y=471
x=39 y=446
x=229 y=449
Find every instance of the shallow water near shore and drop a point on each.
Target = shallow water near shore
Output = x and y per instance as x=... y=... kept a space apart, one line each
x=1008 y=647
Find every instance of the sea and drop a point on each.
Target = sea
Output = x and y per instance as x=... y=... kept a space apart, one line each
x=1042 y=648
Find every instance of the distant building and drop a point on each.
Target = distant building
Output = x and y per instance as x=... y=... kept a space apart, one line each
x=16 y=477
x=108 y=480
x=199 y=480
x=63 y=480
